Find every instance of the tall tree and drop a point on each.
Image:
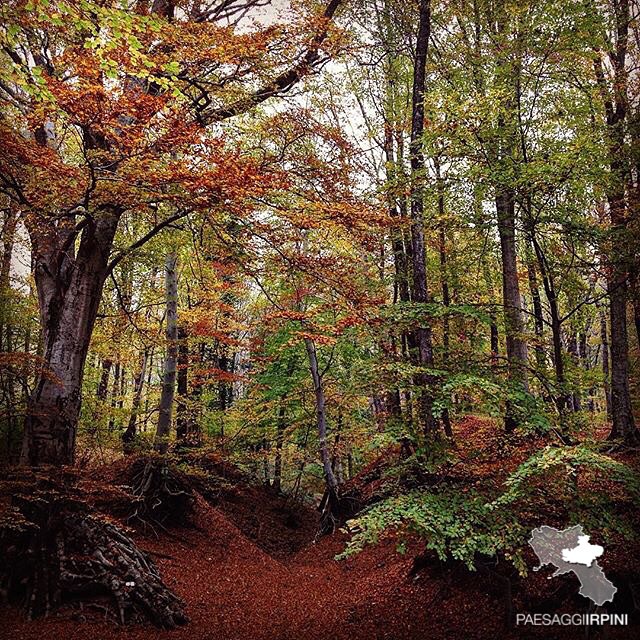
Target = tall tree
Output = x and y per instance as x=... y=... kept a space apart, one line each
x=615 y=100
x=507 y=72
x=73 y=222
x=423 y=333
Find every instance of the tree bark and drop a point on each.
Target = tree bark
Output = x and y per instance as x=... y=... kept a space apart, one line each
x=7 y=381
x=163 y=429
x=616 y=106
x=623 y=425
x=422 y=335
x=505 y=144
x=444 y=283
x=532 y=276
x=572 y=348
x=605 y=363
x=401 y=280
x=514 y=323
x=114 y=394
x=277 y=465
x=183 y=421
x=138 y=383
x=585 y=360
x=635 y=286
x=103 y=386
x=330 y=512
x=561 y=395
x=8 y=240
x=69 y=290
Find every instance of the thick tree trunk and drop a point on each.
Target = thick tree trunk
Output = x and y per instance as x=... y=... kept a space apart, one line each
x=422 y=335
x=615 y=101
x=507 y=80
x=623 y=425
x=163 y=429
x=69 y=291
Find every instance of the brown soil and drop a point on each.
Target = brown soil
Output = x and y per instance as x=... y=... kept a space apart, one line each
x=249 y=568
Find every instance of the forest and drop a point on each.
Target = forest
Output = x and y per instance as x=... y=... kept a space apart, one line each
x=314 y=313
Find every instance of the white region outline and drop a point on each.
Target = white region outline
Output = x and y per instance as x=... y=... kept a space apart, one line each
x=589 y=586
x=585 y=553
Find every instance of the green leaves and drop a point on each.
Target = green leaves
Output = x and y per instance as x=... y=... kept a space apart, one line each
x=411 y=313
x=570 y=460
x=460 y=522
x=453 y=525
x=172 y=68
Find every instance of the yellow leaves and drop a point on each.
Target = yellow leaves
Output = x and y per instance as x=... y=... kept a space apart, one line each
x=196 y=43
x=318 y=339
x=350 y=216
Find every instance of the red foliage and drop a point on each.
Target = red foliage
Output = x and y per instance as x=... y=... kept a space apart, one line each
x=247 y=570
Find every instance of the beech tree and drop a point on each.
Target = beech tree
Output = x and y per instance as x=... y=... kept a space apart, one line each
x=423 y=339
x=171 y=360
x=374 y=257
x=615 y=101
x=101 y=131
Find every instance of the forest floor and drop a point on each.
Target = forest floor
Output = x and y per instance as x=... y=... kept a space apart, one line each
x=249 y=568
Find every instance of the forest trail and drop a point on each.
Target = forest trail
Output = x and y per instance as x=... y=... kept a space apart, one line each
x=250 y=567
x=236 y=590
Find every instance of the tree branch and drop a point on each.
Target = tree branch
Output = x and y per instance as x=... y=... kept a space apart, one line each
x=145 y=238
x=281 y=83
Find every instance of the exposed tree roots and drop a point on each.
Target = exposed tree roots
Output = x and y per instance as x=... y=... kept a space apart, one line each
x=54 y=552
x=164 y=495
x=334 y=510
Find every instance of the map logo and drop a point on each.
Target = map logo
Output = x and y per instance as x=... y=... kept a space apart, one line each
x=569 y=550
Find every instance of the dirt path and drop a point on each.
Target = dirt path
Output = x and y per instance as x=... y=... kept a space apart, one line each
x=250 y=569
x=236 y=591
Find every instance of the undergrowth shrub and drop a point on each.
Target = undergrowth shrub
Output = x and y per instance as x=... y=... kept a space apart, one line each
x=557 y=486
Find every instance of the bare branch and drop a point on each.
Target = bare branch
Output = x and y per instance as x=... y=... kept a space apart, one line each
x=144 y=239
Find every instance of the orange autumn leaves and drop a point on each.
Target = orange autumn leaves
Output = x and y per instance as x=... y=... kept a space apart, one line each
x=120 y=131
x=121 y=92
